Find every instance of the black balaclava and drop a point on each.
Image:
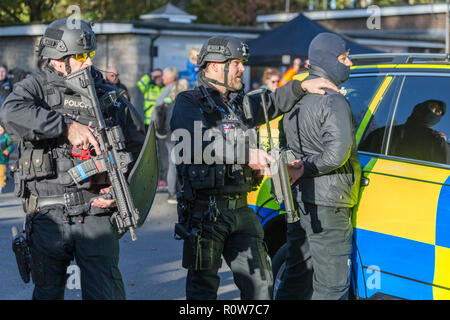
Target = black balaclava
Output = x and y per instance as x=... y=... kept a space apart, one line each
x=323 y=52
x=423 y=116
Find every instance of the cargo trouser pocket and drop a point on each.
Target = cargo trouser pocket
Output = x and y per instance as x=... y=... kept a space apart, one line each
x=201 y=254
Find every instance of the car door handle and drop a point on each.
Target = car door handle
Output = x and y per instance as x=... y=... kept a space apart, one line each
x=364 y=182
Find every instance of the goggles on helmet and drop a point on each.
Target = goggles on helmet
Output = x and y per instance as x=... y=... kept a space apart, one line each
x=82 y=57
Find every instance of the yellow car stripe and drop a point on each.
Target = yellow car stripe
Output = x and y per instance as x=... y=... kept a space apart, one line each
x=441 y=273
x=401 y=66
x=372 y=108
x=413 y=215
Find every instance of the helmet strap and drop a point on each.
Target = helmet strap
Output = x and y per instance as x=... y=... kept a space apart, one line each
x=68 y=69
x=225 y=80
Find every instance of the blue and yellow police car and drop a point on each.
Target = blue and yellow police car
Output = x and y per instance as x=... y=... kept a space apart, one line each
x=401 y=240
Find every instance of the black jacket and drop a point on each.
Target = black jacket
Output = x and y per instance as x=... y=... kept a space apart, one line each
x=319 y=130
x=193 y=123
x=187 y=111
x=33 y=113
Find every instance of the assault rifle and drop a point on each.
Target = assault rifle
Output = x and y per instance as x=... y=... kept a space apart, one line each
x=114 y=159
x=281 y=188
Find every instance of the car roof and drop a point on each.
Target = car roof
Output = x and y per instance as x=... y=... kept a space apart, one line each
x=400 y=62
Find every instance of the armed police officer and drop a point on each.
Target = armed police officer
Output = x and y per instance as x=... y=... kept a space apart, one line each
x=214 y=217
x=66 y=220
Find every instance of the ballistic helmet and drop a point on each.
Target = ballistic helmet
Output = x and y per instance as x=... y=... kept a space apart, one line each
x=222 y=49
x=65 y=37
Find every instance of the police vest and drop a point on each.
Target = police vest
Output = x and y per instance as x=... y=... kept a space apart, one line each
x=219 y=179
x=151 y=93
x=50 y=160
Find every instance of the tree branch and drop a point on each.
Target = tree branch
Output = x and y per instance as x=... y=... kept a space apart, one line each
x=2 y=7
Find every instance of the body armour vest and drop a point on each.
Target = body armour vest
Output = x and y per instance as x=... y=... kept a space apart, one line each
x=220 y=179
x=42 y=166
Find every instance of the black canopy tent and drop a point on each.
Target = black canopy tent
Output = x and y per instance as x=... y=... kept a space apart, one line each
x=291 y=38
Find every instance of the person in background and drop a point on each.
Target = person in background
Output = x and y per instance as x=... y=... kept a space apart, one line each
x=190 y=74
x=151 y=86
x=162 y=116
x=112 y=75
x=169 y=78
x=291 y=72
x=271 y=79
x=6 y=147
x=5 y=85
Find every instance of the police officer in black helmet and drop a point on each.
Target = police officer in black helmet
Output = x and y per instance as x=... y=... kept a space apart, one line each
x=66 y=220
x=214 y=219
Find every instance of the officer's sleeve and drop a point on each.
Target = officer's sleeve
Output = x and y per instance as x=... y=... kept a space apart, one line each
x=197 y=141
x=24 y=116
x=278 y=102
x=336 y=130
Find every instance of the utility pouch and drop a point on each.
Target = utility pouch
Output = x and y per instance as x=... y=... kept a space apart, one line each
x=220 y=175
x=19 y=184
x=42 y=163
x=201 y=176
x=201 y=254
x=63 y=166
x=235 y=173
x=35 y=163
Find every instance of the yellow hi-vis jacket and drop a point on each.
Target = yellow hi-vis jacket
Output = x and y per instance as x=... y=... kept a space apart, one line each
x=150 y=91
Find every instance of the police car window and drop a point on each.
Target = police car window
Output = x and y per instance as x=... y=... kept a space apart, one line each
x=359 y=92
x=421 y=128
x=374 y=131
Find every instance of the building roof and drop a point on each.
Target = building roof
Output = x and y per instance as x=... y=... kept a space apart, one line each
x=384 y=11
x=144 y=27
x=169 y=13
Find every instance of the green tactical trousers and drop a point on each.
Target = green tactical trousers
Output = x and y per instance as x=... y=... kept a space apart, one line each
x=91 y=240
x=237 y=235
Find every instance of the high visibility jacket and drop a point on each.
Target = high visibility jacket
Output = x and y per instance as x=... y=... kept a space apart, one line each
x=288 y=75
x=150 y=91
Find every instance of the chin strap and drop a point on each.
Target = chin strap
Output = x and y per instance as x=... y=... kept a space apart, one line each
x=68 y=69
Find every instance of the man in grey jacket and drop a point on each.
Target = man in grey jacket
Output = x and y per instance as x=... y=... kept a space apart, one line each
x=319 y=130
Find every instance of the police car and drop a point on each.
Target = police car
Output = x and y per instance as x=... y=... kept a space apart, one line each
x=401 y=240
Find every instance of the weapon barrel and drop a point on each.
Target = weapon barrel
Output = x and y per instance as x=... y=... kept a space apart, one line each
x=291 y=213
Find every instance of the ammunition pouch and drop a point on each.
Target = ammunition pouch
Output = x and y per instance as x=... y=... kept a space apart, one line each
x=34 y=164
x=219 y=179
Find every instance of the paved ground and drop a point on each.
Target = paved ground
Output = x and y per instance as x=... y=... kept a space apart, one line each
x=151 y=266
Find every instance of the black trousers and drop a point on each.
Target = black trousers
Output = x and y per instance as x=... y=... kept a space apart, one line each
x=91 y=240
x=239 y=237
x=319 y=250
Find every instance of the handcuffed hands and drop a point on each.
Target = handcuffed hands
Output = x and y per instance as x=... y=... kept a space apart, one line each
x=259 y=160
x=295 y=170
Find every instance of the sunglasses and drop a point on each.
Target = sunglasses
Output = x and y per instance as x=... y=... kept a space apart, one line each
x=82 y=57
